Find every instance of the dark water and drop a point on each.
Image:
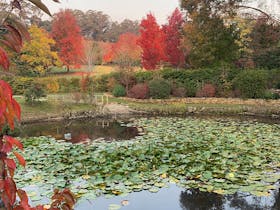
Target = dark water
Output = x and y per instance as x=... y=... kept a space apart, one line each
x=81 y=130
x=175 y=198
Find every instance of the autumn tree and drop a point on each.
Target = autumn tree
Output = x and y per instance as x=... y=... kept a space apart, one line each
x=173 y=37
x=151 y=41
x=92 y=53
x=211 y=40
x=126 y=54
x=37 y=52
x=66 y=33
x=265 y=43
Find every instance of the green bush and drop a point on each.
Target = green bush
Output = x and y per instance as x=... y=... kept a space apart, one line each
x=159 y=88
x=119 y=91
x=270 y=95
x=191 y=87
x=143 y=76
x=251 y=83
x=34 y=93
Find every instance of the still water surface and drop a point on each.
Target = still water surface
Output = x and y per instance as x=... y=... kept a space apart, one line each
x=175 y=198
x=172 y=198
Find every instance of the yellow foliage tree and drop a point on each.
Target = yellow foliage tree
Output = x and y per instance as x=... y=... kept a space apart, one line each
x=37 y=52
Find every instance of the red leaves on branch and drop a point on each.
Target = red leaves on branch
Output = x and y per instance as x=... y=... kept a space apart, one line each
x=152 y=43
x=172 y=38
x=20 y=159
x=9 y=108
x=69 y=42
x=4 y=60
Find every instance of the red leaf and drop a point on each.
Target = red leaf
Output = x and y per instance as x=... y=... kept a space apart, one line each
x=20 y=159
x=4 y=60
x=2 y=183
x=10 y=190
x=7 y=147
x=13 y=142
x=23 y=199
x=11 y=163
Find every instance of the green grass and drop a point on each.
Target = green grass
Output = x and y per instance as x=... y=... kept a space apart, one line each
x=52 y=106
x=157 y=107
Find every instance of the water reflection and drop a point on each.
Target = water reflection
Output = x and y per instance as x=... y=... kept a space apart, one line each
x=175 y=198
x=81 y=131
x=197 y=200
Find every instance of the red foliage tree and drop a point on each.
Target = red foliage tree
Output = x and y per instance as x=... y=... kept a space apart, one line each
x=126 y=51
x=172 y=37
x=69 y=42
x=151 y=41
x=107 y=51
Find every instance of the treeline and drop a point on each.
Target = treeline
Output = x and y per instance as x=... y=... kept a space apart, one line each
x=95 y=25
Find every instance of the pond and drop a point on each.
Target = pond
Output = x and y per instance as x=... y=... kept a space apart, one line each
x=175 y=198
x=177 y=163
x=81 y=131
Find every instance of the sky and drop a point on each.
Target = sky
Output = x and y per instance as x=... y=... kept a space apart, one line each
x=118 y=10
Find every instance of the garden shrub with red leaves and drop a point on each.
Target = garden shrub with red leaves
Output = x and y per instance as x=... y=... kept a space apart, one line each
x=208 y=90
x=139 y=91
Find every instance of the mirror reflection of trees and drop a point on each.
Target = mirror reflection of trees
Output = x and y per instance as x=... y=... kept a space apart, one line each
x=197 y=200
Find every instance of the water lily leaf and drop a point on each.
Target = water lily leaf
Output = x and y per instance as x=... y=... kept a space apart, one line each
x=114 y=207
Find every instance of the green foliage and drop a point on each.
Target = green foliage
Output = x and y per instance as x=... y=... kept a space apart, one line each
x=159 y=88
x=6 y=130
x=119 y=91
x=143 y=76
x=251 y=83
x=268 y=59
x=271 y=95
x=34 y=93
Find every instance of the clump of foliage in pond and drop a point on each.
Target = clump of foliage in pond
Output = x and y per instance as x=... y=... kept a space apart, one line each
x=214 y=156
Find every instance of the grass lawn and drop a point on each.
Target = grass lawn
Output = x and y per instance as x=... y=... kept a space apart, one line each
x=194 y=105
x=51 y=106
x=97 y=70
x=59 y=105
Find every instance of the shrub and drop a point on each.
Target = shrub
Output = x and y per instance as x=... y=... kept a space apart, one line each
x=191 y=87
x=52 y=86
x=179 y=92
x=139 y=91
x=119 y=91
x=271 y=95
x=159 y=88
x=100 y=83
x=143 y=76
x=251 y=83
x=34 y=93
x=111 y=83
x=208 y=90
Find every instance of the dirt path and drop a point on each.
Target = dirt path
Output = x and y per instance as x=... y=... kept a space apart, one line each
x=114 y=108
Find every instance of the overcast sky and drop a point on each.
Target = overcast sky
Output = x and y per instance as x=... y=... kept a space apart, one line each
x=120 y=9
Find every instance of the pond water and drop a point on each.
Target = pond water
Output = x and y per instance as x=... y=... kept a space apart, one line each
x=175 y=198
x=80 y=131
x=223 y=163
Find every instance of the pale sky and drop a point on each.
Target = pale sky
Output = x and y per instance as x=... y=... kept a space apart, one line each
x=118 y=10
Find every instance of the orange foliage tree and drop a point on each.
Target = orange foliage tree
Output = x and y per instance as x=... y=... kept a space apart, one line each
x=126 y=53
x=69 y=42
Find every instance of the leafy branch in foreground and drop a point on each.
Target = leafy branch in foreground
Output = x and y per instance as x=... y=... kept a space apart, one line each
x=12 y=34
